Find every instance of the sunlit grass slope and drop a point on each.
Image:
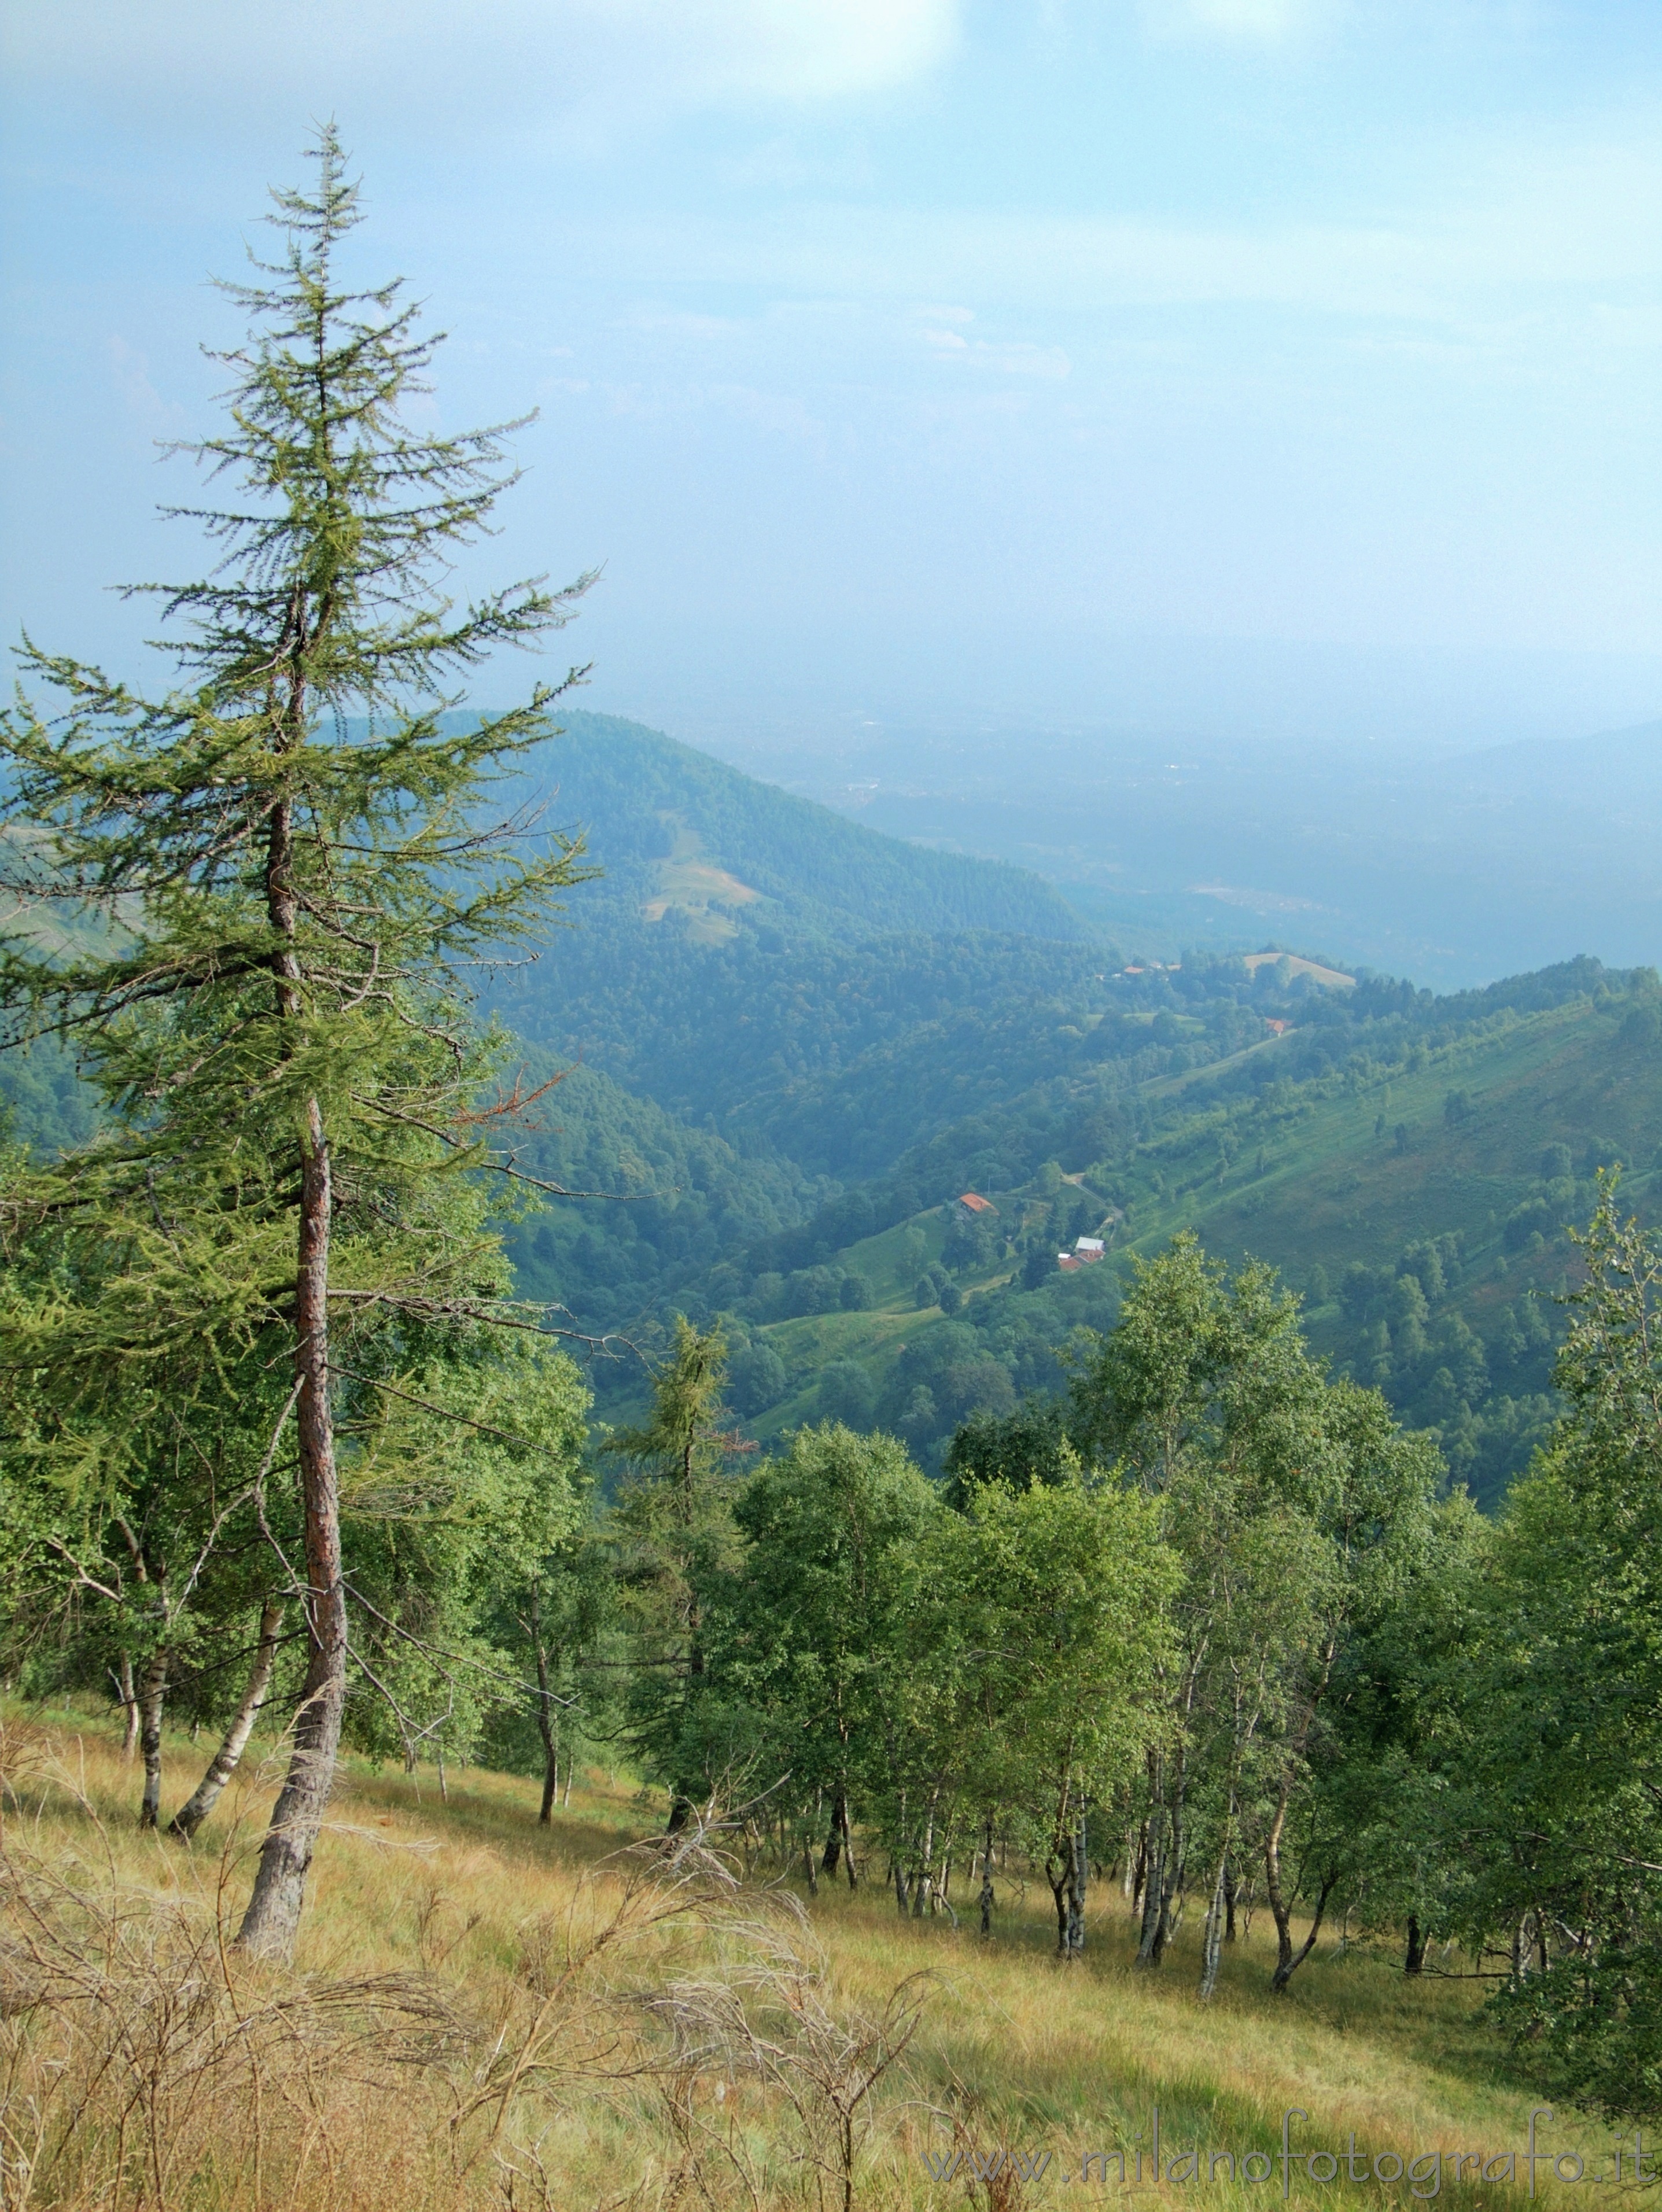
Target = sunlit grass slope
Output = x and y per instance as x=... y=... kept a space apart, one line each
x=465 y=1908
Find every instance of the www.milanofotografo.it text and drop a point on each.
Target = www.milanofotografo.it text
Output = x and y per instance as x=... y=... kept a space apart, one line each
x=1145 y=2160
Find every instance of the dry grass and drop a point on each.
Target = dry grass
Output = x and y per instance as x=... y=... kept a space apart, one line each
x=484 y=2013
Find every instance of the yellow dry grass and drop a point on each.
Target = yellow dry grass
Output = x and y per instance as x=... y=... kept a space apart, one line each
x=484 y=2013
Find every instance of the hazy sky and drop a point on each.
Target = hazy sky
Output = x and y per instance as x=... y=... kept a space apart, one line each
x=1114 y=359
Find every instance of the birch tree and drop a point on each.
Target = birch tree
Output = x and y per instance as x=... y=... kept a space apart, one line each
x=832 y=1528
x=1295 y=1504
x=1560 y=1815
x=1036 y=1627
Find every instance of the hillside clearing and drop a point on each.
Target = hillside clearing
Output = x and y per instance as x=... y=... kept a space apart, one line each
x=461 y=1899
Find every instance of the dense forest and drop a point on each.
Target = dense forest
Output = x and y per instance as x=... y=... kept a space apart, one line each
x=666 y=1352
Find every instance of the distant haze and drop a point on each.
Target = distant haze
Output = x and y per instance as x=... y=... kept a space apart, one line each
x=1274 y=375
x=1452 y=867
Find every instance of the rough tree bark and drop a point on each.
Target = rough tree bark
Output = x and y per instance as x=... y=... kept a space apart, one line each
x=272 y=1920
x=152 y=1692
x=1079 y=1873
x=129 y=1711
x=224 y=1762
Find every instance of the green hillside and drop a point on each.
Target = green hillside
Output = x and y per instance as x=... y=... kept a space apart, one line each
x=682 y=834
x=658 y=1203
x=1418 y=1192
x=1424 y=1211
x=790 y=1043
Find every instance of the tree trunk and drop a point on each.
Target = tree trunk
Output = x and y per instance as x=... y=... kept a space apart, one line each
x=809 y=1867
x=1153 y=1859
x=848 y=1843
x=834 y=1840
x=223 y=1764
x=129 y=1711
x=1078 y=1878
x=1232 y=1890
x=1055 y=1873
x=1288 y=1961
x=1414 y=1962
x=544 y=1719
x=152 y=1691
x=1281 y=1977
x=272 y=1920
x=1212 y=1940
x=1279 y=1905
x=921 y=1882
x=900 y=1896
x=987 y=1898
x=1173 y=1866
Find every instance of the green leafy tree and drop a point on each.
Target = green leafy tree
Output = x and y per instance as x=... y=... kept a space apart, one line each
x=1395 y=1779
x=1560 y=1820
x=675 y=1526
x=1294 y=1505
x=1028 y=1447
x=287 y=856
x=1035 y=1627
x=830 y=1527
x=467 y=1483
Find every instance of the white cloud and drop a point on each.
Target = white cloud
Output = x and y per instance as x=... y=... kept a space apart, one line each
x=523 y=58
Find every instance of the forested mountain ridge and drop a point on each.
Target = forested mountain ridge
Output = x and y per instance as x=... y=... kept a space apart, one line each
x=679 y=831
x=779 y=1100
x=1412 y=1166
x=840 y=1055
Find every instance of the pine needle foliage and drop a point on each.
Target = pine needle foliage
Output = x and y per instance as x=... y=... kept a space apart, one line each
x=284 y=881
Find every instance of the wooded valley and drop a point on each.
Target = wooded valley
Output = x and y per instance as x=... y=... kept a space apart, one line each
x=530 y=1255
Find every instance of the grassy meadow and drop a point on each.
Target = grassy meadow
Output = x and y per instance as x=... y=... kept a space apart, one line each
x=486 y=2013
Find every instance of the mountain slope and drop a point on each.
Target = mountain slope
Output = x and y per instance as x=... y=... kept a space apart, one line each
x=1415 y=1174
x=679 y=831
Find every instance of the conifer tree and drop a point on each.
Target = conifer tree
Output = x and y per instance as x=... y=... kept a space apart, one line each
x=279 y=879
x=675 y=1518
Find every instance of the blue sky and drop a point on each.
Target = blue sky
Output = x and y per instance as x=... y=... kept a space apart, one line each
x=1272 y=364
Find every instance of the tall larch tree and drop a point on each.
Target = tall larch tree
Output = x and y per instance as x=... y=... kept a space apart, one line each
x=289 y=871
